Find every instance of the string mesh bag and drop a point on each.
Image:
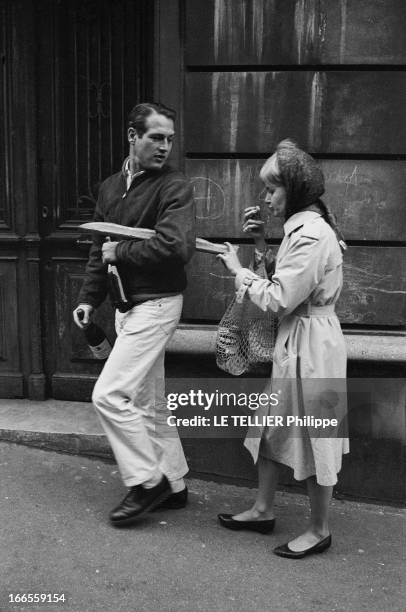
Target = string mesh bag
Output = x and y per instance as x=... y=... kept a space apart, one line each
x=246 y=337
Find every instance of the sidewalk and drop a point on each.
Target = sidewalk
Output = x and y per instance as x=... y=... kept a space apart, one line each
x=56 y=539
x=71 y=427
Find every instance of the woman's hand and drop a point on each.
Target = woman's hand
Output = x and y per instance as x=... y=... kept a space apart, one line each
x=253 y=223
x=230 y=259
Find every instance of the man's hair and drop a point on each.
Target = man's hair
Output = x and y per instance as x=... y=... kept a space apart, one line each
x=138 y=115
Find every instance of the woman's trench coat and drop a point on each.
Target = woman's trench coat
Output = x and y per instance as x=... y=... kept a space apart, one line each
x=309 y=364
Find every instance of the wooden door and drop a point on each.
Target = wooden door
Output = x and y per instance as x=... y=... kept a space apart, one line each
x=21 y=371
x=70 y=71
x=94 y=64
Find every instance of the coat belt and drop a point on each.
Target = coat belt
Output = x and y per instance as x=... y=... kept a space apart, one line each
x=309 y=310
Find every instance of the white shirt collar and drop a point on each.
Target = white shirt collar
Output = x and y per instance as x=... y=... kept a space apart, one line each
x=126 y=168
x=126 y=171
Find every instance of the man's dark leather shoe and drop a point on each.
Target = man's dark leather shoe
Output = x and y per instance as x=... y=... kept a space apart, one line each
x=137 y=501
x=174 y=501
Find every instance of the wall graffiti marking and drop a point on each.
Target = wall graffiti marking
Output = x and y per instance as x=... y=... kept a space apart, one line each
x=209 y=197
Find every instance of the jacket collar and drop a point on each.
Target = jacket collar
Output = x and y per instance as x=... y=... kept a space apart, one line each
x=298 y=219
x=125 y=169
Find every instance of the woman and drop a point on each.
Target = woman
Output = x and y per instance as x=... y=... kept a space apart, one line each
x=309 y=366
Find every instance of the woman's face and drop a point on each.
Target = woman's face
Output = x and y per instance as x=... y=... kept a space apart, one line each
x=276 y=199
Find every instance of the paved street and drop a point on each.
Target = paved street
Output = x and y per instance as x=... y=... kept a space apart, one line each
x=56 y=539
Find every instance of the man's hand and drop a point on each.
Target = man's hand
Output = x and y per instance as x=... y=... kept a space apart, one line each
x=109 y=252
x=230 y=259
x=82 y=315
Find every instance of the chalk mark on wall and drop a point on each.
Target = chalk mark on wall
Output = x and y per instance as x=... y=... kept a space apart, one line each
x=209 y=197
x=360 y=277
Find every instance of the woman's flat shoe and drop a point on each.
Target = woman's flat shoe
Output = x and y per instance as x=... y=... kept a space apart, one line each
x=285 y=551
x=226 y=520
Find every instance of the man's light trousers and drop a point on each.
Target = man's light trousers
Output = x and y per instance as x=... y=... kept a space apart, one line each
x=129 y=395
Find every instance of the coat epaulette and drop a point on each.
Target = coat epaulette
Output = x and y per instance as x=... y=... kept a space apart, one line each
x=312 y=229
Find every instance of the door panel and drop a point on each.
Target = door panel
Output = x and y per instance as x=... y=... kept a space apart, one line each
x=72 y=367
x=11 y=380
x=93 y=69
x=95 y=64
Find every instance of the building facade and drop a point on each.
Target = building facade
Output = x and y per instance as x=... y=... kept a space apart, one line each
x=242 y=75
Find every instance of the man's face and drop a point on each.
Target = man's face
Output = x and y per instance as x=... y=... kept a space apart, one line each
x=153 y=148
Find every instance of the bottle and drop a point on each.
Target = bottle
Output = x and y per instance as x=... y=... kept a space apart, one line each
x=97 y=341
x=116 y=289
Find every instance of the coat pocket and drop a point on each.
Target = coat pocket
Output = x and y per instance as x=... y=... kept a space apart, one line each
x=281 y=351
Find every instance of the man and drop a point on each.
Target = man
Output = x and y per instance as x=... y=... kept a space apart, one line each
x=129 y=394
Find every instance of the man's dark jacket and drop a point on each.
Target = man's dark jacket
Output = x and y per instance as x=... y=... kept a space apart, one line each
x=157 y=199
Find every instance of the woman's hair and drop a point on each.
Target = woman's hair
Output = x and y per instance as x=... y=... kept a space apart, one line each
x=303 y=180
x=269 y=172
